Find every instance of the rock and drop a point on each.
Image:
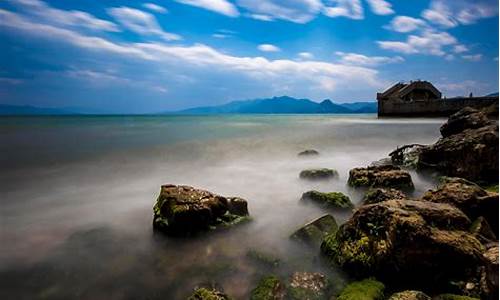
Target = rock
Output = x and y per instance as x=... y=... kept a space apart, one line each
x=382 y=176
x=382 y=162
x=491 y=259
x=406 y=155
x=263 y=259
x=308 y=286
x=376 y=195
x=368 y=289
x=468 y=197
x=309 y=152
x=181 y=210
x=467 y=118
x=470 y=154
x=409 y=295
x=318 y=174
x=208 y=294
x=269 y=288
x=313 y=232
x=453 y=297
x=328 y=200
x=482 y=231
x=405 y=241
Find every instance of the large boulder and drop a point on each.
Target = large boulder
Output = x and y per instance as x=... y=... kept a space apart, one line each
x=313 y=232
x=328 y=200
x=181 y=210
x=380 y=176
x=405 y=241
x=467 y=118
x=468 y=197
x=319 y=174
x=470 y=154
x=376 y=195
x=406 y=155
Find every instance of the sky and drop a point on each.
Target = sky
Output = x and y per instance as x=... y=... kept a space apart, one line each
x=158 y=55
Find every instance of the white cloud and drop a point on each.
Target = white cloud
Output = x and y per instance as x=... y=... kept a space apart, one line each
x=306 y=55
x=473 y=57
x=345 y=8
x=429 y=42
x=261 y=17
x=73 y=18
x=460 y=48
x=155 y=8
x=298 y=11
x=363 y=60
x=223 y=7
x=268 y=48
x=140 y=22
x=453 y=13
x=406 y=24
x=381 y=7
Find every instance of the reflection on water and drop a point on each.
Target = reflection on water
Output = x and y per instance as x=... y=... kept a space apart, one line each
x=77 y=196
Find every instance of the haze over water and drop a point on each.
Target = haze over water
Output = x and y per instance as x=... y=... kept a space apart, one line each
x=77 y=196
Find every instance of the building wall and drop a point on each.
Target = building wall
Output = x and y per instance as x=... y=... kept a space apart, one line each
x=439 y=107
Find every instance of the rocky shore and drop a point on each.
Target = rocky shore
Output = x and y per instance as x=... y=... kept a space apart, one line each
x=440 y=245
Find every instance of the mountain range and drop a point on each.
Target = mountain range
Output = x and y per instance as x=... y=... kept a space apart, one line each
x=284 y=105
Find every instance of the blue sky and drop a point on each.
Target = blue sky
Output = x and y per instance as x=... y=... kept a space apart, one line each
x=139 y=57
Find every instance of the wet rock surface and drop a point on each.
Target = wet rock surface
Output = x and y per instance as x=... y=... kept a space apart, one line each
x=308 y=285
x=381 y=176
x=319 y=174
x=269 y=288
x=313 y=232
x=367 y=289
x=184 y=210
x=409 y=295
x=328 y=200
x=467 y=118
x=415 y=242
x=376 y=195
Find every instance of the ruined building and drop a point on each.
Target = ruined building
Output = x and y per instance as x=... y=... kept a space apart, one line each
x=422 y=98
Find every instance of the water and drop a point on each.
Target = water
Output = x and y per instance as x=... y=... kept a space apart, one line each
x=77 y=195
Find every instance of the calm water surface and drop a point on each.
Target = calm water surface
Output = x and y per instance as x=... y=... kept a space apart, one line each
x=77 y=194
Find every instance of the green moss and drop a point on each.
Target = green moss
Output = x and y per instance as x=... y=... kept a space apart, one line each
x=302 y=293
x=355 y=251
x=207 y=294
x=368 y=289
x=357 y=182
x=331 y=199
x=492 y=188
x=315 y=174
x=453 y=297
x=268 y=288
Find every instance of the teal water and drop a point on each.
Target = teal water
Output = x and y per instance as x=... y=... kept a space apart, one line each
x=77 y=194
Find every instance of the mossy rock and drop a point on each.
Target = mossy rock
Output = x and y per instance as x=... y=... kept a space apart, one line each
x=380 y=176
x=376 y=195
x=319 y=174
x=409 y=295
x=269 y=288
x=315 y=231
x=367 y=289
x=328 y=200
x=453 y=297
x=492 y=188
x=264 y=259
x=308 y=285
x=208 y=294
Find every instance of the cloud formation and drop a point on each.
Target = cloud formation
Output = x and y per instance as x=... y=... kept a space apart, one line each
x=405 y=24
x=450 y=14
x=268 y=48
x=219 y=6
x=363 y=60
x=155 y=8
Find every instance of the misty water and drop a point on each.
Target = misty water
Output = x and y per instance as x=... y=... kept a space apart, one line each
x=77 y=196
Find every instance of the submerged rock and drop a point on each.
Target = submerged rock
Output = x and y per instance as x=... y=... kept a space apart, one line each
x=208 y=294
x=313 y=232
x=406 y=155
x=381 y=176
x=368 y=289
x=309 y=152
x=308 y=286
x=406 y=241
x=319 y=174
x=376 y=195
x=181 y=210
x=467 y=118
x=409 y=295
x=269 y=288
x=468 y=197
x=328 y=200
x=263 y=259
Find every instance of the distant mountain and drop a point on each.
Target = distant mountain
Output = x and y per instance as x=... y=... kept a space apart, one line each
x=493 y=95
x=6 y=109
x=284 y=105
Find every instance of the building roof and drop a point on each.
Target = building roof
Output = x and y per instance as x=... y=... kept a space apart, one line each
x=402 y=89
